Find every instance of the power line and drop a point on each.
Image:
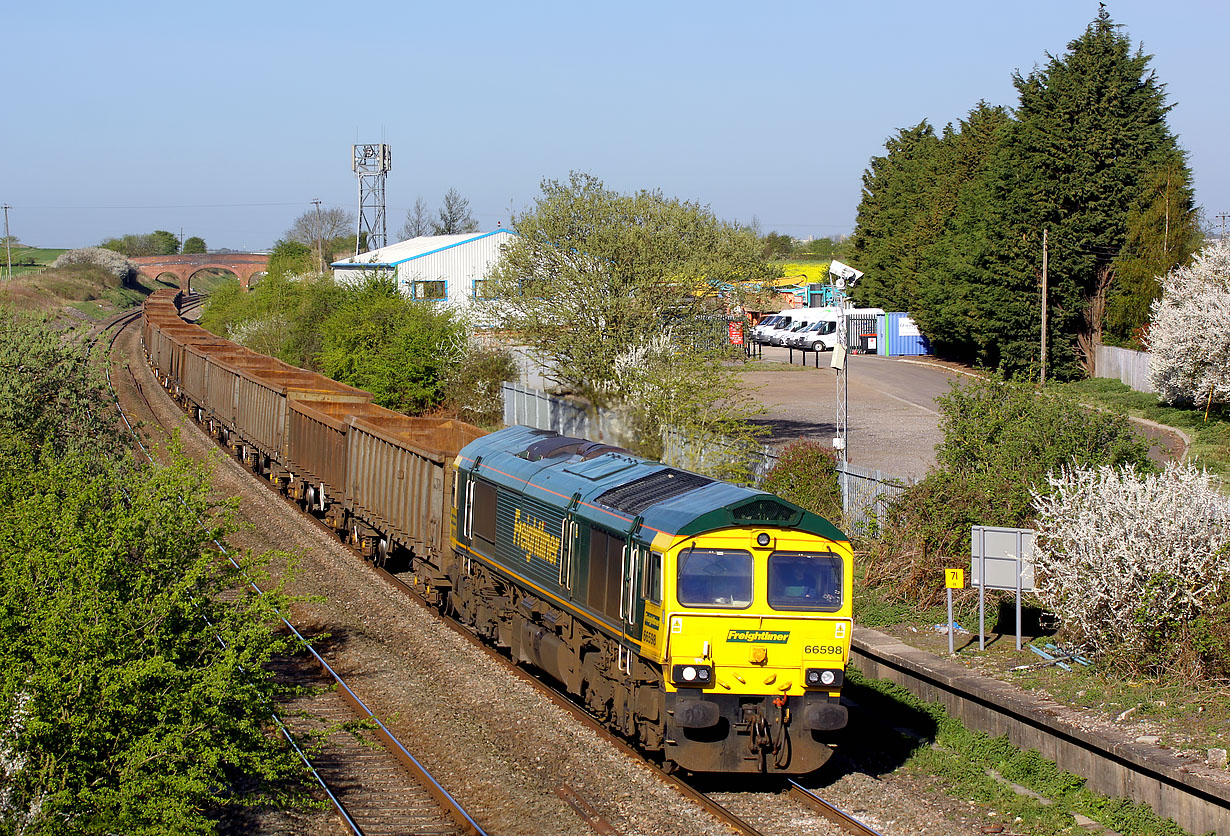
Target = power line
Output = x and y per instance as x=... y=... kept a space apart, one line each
x=170 y=206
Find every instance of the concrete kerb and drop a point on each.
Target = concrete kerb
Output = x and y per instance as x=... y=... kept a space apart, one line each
x=1174 y=788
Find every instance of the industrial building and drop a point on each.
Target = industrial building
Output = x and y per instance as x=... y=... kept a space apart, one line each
x=449 y=268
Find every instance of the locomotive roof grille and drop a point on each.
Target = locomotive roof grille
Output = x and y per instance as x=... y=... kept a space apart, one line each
x=636 y=496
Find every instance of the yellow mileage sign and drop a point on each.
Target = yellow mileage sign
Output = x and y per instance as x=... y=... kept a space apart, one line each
x=953 y=579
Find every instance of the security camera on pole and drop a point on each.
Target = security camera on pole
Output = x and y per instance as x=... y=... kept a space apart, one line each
x=844 y=276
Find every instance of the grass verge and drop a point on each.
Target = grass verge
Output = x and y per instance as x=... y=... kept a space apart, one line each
x=923 y=739
x=1210 y=439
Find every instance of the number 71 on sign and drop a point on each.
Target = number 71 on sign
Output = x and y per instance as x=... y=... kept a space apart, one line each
x=953 y=579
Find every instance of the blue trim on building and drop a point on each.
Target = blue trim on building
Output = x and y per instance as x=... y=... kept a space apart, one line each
x=346 y=265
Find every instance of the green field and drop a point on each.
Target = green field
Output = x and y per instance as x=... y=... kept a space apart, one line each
x=29 y=259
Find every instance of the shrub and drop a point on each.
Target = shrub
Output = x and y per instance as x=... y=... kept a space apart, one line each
x=474 y=384
x=399 y=349
x=1190 y=333
x=806 y=474
x=1001 y=440
x=1136 y=566
x=114 y=263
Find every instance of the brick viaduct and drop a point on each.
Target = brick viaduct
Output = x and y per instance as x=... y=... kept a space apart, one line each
x=183 y=267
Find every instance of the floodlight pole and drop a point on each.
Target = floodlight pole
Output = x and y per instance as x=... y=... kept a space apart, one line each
x=843 y=410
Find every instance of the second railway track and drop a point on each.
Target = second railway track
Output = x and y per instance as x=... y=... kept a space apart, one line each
x=577 y=801
x=374 y=789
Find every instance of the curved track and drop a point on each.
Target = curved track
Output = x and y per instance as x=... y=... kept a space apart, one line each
x=374 y=790
x=800 y=804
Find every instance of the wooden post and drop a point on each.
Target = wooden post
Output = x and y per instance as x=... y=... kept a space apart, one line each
x=1044 y=254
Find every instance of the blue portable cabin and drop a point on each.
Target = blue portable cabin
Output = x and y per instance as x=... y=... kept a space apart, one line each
x=898 y=336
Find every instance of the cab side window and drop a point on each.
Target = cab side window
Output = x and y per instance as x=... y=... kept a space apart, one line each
x=483 y=527
x=651 y=578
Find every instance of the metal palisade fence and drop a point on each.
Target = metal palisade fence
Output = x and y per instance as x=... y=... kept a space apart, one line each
x=868 y=493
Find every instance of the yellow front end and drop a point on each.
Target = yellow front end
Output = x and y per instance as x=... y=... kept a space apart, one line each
x=754 y=639
x=760 y=654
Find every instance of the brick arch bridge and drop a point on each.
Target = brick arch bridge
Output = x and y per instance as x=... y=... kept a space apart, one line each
x=243 y=265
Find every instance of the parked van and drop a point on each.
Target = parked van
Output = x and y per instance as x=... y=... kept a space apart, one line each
x=760 y=328
x=802 y=318
x=821 y=335
x=784 y=322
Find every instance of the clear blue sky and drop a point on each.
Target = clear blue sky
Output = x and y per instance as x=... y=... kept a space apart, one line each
x=226 y=119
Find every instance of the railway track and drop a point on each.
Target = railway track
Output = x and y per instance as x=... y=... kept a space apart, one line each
x=374 y=789
x=799 y=797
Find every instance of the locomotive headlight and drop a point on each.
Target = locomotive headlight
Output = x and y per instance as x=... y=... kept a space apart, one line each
x=695 y=676
x=762 y=539
x=823 y=678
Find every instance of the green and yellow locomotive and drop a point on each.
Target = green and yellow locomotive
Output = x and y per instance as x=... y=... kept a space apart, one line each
x=706 y=621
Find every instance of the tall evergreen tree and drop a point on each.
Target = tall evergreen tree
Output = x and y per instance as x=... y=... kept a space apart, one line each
x=951 y=228
x=894 y=205
x=1163 y=233
x=1091 y=136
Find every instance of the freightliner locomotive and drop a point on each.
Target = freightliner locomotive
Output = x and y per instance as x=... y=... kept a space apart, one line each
x=708 y=622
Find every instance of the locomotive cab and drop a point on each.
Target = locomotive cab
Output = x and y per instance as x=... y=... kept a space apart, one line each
x=757 y=642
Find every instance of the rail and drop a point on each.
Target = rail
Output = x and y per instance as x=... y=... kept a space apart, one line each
x=450 y=806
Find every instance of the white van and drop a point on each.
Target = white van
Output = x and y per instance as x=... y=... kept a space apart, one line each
x=821 y=335
x=801 y=319
x=783 y=323
x=760 y=328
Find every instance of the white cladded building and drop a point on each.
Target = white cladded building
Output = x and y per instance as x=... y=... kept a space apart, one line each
x=450 y=268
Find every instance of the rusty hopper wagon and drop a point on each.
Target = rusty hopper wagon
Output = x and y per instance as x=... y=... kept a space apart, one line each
x=708 y=622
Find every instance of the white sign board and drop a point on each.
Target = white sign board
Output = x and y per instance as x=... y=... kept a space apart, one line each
x=1005 y=551
x=907 y=328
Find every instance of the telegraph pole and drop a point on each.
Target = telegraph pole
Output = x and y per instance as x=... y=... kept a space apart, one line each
x=1044 y=232
x=320 y=244
x=1222 y=217
x=8 y=248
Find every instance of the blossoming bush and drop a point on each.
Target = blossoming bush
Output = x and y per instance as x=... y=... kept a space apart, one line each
x=111 y=261
x=1190 y=333
x=1137 y=566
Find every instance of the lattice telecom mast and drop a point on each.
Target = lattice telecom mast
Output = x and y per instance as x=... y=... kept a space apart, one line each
x=371 y=164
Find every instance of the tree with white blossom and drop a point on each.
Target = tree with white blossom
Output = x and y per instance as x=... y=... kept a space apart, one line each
x=1137 y=566
x=1189 y=337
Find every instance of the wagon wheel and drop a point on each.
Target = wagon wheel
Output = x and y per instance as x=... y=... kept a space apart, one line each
x=382 y=552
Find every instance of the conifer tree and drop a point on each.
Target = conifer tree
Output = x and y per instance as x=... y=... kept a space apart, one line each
x=952 y=229
x=1091 y=136
x=1163 y=233
x=895 y=190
